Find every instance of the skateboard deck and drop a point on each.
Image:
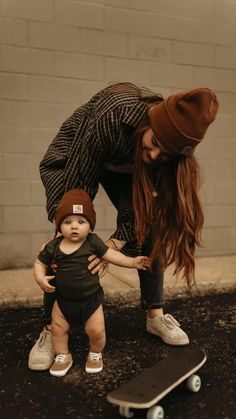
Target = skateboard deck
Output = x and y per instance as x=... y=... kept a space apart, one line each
x=153 y=384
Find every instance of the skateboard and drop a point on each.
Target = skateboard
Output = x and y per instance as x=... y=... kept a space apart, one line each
x=145 y=390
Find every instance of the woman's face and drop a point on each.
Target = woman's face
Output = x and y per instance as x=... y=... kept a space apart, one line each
x=151 y=152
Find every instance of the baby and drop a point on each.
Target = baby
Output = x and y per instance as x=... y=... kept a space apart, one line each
x=79 y=295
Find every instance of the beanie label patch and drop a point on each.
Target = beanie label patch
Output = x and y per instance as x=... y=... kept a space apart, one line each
x=78 y=209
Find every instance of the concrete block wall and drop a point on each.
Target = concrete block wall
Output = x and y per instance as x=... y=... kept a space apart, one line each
x=55 y=54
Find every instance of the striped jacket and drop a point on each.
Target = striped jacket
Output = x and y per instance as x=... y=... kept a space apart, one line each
x=97 y=132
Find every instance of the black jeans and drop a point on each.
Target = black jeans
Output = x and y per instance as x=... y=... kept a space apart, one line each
x=118 y=187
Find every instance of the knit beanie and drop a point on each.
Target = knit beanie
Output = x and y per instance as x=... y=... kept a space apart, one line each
x=78 y=202
x=180 y=121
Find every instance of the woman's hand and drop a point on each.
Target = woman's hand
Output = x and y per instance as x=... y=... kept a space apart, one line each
x=97 y=265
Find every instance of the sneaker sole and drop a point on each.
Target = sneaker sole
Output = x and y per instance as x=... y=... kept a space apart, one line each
x=166 y=340
x=39 y=367
x=93 y=370
x=61 y=373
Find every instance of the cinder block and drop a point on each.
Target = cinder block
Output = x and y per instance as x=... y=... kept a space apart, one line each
x=27 y=9
x=31 y=114
x=200 y=9
x=128 y=70
x=147 y=24
x=204 y=149
x=218 y=171
x=218 y=216
x=224 y=149
x=153 y=49
x=41 y=138
x=25 y=219
x=101 y=199
x=206 y=193
x=215 y=33
x=37 y=239
x=234 y=216
x=21 y=166
x=14 y=249
x=104 y=234
x=26 y=60
x=227 y=102
x=226 y=11
x=14 y=86
x=206 y=242
x=1 y=220
x=234 y=82
x=62 y=113
x=90 y=88
x=79 y=66
x=171 y=75
x=103 y=43
x=193 y=53
x=225 y=57
x=222 y=127
x=15 y=139
x=223 y=239
x=110 y=217
x=52 y=36
x=56 y=90
x=213 y=78
x=14 y=193
x=79 y=14
x=13 y=32
x=100 y=218
x=225 y=193
x=37 y=194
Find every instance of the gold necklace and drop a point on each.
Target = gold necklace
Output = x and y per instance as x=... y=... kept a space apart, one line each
x=154 y=192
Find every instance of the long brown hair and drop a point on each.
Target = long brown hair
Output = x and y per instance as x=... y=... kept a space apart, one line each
x=173 y=220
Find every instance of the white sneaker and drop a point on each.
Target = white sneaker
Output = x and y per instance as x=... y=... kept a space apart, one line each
x=168 y=329
x=42 y=355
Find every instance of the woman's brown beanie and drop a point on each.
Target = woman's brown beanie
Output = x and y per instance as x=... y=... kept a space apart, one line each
x=77 y=202
x=180 y=121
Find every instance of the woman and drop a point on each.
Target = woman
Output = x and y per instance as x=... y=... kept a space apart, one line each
x=139 y=147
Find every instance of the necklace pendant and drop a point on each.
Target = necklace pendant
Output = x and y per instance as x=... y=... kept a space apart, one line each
x=154 y=194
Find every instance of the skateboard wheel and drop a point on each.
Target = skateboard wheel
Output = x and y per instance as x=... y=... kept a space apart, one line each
x=125 y=412
x=155 y=412
x=194 y=383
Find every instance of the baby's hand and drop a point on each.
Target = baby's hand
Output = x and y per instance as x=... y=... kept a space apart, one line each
x=43 y=282
x=142 y=262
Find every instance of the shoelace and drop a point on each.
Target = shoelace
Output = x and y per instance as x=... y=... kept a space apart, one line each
x=170 y=321
x=60 y=358
x=45 y=340
x=94 y=356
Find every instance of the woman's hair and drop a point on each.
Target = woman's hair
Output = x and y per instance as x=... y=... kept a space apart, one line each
x=174 y=219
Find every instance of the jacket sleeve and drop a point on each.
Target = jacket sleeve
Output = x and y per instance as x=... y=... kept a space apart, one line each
x=74 y=159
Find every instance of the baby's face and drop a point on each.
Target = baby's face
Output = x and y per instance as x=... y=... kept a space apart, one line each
x=75 y=228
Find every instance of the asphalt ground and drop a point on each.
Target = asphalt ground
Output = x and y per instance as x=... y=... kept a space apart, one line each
x=209 y=322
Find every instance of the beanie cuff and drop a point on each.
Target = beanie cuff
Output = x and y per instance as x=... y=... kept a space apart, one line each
x=170 y=139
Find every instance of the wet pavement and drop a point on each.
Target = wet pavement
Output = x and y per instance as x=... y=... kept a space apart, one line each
x=209 y=321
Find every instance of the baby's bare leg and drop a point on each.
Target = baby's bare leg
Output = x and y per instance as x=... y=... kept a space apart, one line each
x=60 y=329
x=95 y=329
